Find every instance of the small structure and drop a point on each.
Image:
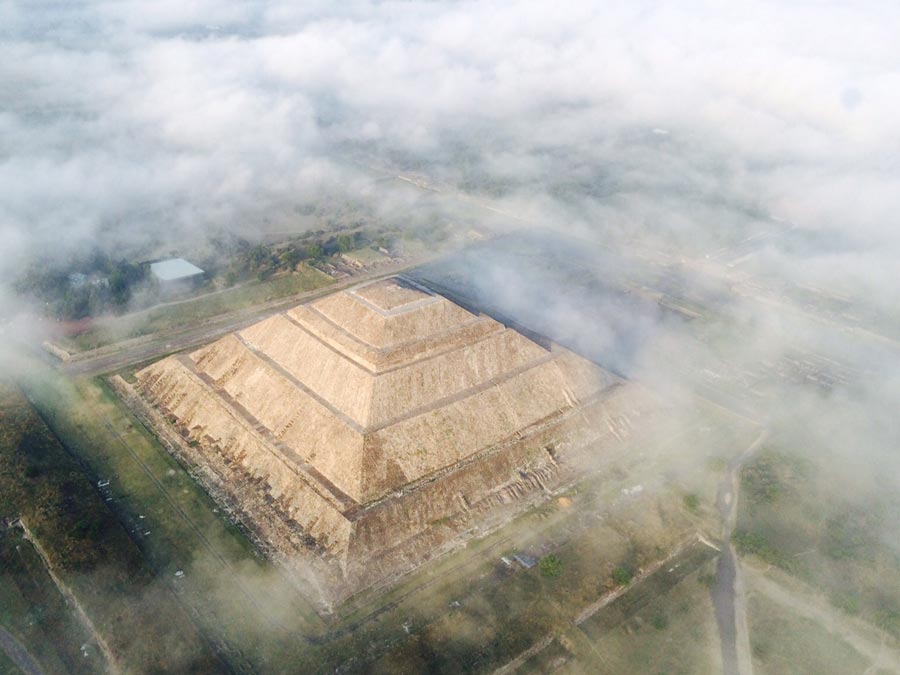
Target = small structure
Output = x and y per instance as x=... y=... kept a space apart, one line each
x=176 y=275
x=525 y=560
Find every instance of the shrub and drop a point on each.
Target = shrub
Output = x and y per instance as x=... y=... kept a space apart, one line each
x=622 y=575
x=847 y=537
x=707 y=580
x=761 y=480
x=755 y=543
x=550 y=566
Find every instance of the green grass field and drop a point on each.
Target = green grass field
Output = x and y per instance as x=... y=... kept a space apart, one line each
x=665 y=626
x=91 y=555
x=783 y=643
x=34 y=611
x=240 y=602
x=790 y=517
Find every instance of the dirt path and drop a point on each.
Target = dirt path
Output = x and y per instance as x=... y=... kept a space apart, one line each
x=72 y=600
x=728 y=597
x=872 y=643
x=16 y=651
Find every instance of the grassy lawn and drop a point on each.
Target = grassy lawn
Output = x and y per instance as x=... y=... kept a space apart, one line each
x=35 y=612
x=666 y=625
x=790 y=517
x=157 y=319
x=783 y=643
x=367 y=255
x=88 y=550
x=6 y=664
x=241 y=602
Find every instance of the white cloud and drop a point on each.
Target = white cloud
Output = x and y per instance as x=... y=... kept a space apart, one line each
x=204 y=110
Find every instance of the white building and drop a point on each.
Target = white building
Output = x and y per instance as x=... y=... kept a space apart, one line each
x=176 y=274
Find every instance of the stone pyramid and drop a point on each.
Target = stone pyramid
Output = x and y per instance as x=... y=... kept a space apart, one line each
x=353 y=424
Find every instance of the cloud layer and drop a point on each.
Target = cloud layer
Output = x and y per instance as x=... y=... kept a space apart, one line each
x=121 y=120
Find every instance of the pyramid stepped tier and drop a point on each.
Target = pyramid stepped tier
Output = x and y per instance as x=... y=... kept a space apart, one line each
x=346 y=408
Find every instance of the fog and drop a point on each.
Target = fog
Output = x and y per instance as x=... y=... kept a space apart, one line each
x=635 y=133
x=121 y=120
x=679 y=128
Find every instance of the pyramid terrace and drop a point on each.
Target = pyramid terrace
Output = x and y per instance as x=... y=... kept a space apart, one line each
x=371 y=429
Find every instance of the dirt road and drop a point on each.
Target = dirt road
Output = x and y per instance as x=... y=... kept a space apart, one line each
x=146 y=348
x=729 y=601
x=16 y=651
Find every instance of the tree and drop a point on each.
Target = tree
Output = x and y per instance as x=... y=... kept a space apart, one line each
x=314 y=251
x=692 y=502
x=345 y=243
x=292 y=256
x=123 y=277
x=550 y=566
x=258 y=255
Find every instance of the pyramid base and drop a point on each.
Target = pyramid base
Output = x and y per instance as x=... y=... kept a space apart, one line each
x=374 y=545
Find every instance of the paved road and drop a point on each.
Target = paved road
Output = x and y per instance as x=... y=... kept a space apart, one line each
x=723 y=604
x=727 y=592
x=138 y=350
x=16 y=651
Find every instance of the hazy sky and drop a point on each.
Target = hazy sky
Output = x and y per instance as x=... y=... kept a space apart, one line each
x=132 y=117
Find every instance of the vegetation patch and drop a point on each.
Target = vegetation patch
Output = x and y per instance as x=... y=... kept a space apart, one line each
x=165 y=317
x=790 y=517
x=622 y=575
x=755 y=543
x=692 y=502
x=551 y=566
x=88 y=549
x=782 y=642
x=664 y=624
x=35 y=613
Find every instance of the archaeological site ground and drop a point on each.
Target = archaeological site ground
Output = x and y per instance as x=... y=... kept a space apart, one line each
x=370 y=430
x=413 y=470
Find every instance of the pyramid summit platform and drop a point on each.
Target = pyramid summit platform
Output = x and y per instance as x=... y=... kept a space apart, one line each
x=375 y=425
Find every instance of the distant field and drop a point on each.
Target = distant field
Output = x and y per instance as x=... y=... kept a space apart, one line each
x=110 y=330
x=34 y=611
x=367 y=255
x=90 y=554
x=783 y=643
x=663 y=627
x=790 y=517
